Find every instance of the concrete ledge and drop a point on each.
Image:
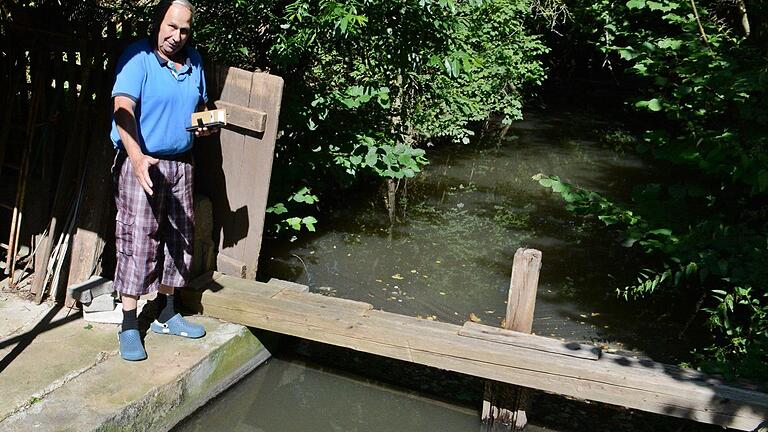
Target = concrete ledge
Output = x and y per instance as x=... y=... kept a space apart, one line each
x=114 y=395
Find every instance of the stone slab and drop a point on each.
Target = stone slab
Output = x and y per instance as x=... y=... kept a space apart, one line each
x=69 y=376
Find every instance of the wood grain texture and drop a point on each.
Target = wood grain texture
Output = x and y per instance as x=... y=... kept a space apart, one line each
x=234 y=168
x=243 y=117
x=528 y=341
x=523 y=284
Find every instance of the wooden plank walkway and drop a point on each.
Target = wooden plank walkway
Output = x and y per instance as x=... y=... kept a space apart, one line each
x=571 y=369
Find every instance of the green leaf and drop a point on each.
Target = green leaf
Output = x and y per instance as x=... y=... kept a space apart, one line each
x=635 y=4
x=294 y=223
x=309 y=222
x=669 y=43
x=278 y=208
x=653 y=104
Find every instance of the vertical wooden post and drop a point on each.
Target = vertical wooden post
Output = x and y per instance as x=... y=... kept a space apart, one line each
x=504 y=405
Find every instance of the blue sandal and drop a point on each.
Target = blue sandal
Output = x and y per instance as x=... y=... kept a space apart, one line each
x=178 y=326
x=131 y=348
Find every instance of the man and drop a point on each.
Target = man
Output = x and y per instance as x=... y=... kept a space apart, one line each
x=159 y=83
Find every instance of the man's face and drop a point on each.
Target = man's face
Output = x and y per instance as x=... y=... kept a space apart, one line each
x=174 y=30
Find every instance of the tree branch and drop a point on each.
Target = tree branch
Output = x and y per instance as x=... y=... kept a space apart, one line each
x=698 y=21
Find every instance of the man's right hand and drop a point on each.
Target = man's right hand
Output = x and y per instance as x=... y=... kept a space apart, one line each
x=141 y=164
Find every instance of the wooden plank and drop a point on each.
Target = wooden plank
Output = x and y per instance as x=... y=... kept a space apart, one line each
x=524 y=282
x=331 y=304
x=615 y=380
x=266 y=95
x=288 y=285
x=243 y=117
x=504 y=406
x=236 y=166
x=218 y=160
x=527 y=341
x=230 y=266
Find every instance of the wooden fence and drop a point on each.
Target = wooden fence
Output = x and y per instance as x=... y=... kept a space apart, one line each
x=54 y=158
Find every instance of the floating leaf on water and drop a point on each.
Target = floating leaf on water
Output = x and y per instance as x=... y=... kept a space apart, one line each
x=503 y=323
x=490 y=311
x=379 y=281
x=397 y=276
x=431 y=318
x=473 y=317
x=437 y=261
x=594 y=314
x=414 y=271
x=442 y=293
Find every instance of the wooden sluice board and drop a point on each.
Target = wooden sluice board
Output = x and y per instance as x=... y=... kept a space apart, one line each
x=570 y=369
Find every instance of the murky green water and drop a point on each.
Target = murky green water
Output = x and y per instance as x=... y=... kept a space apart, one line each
x=292 y=396
x=448 y=258
x=451 y=253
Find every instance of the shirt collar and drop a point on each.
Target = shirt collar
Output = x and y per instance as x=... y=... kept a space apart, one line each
x=164 y=63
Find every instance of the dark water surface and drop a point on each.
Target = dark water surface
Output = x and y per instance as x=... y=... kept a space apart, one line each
x=451 y=253
x=449 y=258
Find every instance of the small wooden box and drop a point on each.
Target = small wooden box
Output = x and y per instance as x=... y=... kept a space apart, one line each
x=212 y=118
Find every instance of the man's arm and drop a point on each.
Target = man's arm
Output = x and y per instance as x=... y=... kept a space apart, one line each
x=125 y=119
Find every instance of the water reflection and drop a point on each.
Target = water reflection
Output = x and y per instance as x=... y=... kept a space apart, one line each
x=291 y=396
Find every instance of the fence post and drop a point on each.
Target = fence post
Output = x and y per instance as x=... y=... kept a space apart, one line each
x=503 y=404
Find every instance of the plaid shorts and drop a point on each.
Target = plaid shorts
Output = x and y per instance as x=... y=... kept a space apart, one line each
x=154 y=235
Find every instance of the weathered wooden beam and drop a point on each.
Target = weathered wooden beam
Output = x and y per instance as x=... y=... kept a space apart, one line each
x=504 y=405
x=529 y=341
x=243 y=117
x=288 y=284
x=612 y=379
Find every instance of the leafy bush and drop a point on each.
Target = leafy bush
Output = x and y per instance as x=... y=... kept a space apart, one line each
x=705 y=92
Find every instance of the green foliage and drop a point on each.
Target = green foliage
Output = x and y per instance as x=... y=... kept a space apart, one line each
x=370 y=84
x=302 y=196
x=705 y=94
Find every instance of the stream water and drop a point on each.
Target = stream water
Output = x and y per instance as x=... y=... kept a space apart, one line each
x=448 y=258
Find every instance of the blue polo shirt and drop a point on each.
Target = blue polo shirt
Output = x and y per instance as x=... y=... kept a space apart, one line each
x=164 y=98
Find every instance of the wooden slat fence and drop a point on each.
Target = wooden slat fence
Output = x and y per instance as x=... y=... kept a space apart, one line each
x=53 y=151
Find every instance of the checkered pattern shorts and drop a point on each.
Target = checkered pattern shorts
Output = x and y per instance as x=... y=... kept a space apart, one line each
x=154 y=235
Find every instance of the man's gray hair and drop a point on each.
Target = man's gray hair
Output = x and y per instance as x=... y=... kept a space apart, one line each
x=187 y=4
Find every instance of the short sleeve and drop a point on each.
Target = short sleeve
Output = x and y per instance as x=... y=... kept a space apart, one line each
x=197 y=60
x=203 y=88
x=129 y=75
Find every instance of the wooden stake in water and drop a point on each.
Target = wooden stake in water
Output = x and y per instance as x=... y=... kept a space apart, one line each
x=504 y=405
